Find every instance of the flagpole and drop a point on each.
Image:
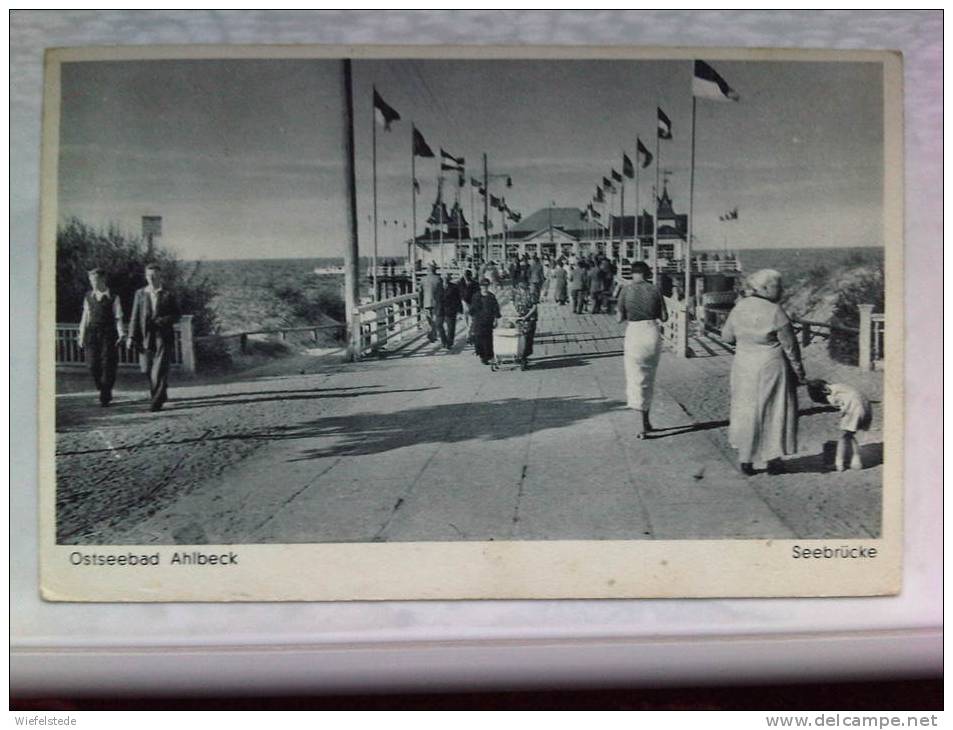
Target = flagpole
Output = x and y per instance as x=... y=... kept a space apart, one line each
x=351 y=257
x=638 y=210
x=374 y=168
x=621 y=211
x=658 y=166
x=472 y=222
x=459 y=222
x=486 y=210
x=413 y=189
x=691 y=218
x=440 y=217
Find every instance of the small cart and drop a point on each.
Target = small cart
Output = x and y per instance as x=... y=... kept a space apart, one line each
x=509 y=344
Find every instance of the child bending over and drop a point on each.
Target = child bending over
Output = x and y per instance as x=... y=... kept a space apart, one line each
x=855 y=416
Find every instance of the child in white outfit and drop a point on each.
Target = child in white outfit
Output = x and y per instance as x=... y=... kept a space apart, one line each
x=855 y=415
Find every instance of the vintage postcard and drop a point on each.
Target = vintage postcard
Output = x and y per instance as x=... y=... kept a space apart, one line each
x=338 y=323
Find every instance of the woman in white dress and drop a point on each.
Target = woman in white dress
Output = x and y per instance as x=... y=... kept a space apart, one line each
x=764 y=375
x=642 y=307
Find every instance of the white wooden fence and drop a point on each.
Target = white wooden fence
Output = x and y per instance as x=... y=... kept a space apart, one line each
x=69 y=355
x=376 y=325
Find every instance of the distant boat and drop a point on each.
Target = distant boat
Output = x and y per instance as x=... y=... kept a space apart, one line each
x=328 y=270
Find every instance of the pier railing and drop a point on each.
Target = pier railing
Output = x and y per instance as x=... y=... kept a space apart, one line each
x=70 y=355
x=702 y=266
x=282 y=333
x=389 y=321
x=869 y=333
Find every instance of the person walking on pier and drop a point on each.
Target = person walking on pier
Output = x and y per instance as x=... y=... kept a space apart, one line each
x=527 y=311
x=596 y=287
x=577 y=286
x=765 y=373
x=560 y=282
x=536 y=276
x=154 y=314
x=548 y=271
x=641 y=306
x=432 y=292
x=468 y=287
x=485 y=311
x=101 y=331
x=447 y=312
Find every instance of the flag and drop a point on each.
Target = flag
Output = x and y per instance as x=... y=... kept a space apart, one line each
x=664 y=125
x=474 y=182
x=645 y=157
x=445 y=166
x=627 y=169
x=616 y=176
x=607 y=184
x=383 y=112
x=460 y=161
x=599 y=198
x=707 y=84
x=593 y=212
x=482 y=191
x=494 y=201
x=509 y=181
x=421 y=148
x=462 y=180
x=416 y=185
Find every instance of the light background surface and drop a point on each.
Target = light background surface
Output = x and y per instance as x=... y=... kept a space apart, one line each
x=472 y=643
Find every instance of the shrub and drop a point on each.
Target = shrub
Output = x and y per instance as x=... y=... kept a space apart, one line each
x=865 y=288
x=80 y=247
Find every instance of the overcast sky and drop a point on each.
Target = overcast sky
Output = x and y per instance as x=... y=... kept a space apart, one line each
x=243 y=158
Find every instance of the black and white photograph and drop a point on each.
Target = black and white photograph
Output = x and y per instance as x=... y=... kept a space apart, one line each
x=481 y=315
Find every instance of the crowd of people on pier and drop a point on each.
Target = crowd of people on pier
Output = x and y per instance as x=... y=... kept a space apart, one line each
x=767 y=368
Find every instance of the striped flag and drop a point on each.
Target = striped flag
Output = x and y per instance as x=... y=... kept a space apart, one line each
x=600 y=198
x=460 y=161
x=707 y=84
x=664 y=125
x=607 y=184
x=616 y=176
x=645 y=157
x=421 y=148
x=383 y=112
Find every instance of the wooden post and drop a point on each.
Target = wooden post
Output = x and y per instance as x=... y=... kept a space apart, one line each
x=354 y=337
x=681 y=329
x=351 y=273
x=188 y=344
x=866 y=336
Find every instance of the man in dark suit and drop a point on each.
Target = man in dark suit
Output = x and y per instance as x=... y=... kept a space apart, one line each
x=447 y=312
x=432 y=292
x=154 y=312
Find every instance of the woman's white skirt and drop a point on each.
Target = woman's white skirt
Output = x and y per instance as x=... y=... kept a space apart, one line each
x=643 y=345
